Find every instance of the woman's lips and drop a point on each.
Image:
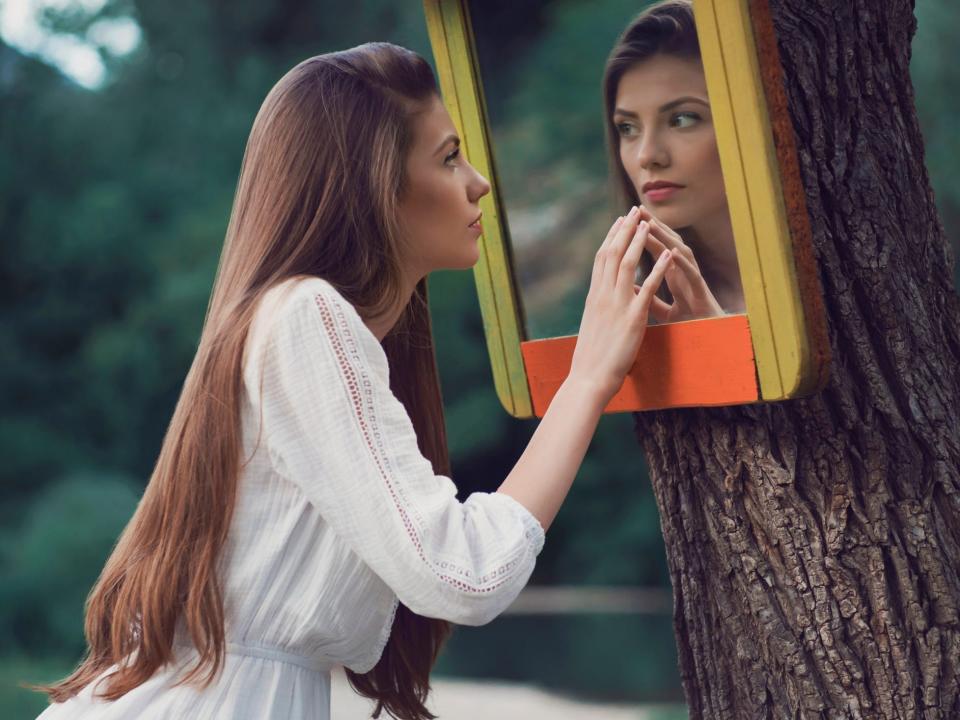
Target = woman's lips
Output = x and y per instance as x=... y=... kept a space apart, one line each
x=656 y=192
x=475 y=225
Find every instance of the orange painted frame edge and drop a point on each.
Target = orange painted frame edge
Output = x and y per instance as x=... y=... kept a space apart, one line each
x=710 y=362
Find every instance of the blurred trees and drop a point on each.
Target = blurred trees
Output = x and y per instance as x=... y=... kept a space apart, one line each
x=936 y=82
x=113 y=207
x=114 y=203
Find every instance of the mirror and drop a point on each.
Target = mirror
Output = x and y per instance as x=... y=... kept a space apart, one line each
x=544 y=67
x=762 y=337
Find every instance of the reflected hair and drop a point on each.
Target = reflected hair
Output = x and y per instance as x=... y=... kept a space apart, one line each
x=664 y=28
x=322 y=176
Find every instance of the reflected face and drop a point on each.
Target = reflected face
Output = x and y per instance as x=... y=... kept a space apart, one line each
x=667 y=143
x=439 y=214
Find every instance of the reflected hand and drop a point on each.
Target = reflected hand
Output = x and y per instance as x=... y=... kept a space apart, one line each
x=616 y=310
x=692 y=297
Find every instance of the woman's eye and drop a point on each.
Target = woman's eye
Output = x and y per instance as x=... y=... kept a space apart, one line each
x=684 y=120
x=626 y=129
x=452 y=156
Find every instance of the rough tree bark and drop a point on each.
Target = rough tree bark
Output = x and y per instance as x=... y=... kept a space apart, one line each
x=814 y=545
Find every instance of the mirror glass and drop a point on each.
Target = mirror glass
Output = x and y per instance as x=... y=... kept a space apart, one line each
x=544 y=65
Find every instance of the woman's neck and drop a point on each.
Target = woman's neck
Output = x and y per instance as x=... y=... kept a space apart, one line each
x=381 y=325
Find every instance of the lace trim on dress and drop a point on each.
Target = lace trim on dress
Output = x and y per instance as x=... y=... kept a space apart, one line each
x=361 y=393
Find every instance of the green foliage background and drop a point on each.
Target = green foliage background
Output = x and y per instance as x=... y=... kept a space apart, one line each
x=113 y=206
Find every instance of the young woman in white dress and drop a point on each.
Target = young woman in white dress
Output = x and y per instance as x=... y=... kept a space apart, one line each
x=300 y=515
x=664 y=157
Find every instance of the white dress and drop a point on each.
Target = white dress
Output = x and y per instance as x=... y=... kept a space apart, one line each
x=337 y=516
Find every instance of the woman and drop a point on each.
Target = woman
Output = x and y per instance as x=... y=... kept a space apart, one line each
x=663 y=152
x=299 y=515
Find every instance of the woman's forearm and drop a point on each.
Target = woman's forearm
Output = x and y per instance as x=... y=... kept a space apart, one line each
x=545 y=471
x=614 y=321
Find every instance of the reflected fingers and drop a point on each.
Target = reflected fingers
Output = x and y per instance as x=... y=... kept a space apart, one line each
x=687 y=266
x=668 y=236
x=649 y=288
x=654 y=245
x=660 y=309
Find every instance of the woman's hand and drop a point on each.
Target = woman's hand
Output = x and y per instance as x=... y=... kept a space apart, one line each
x=691 y=296
x=616 y=310
x=611 y=330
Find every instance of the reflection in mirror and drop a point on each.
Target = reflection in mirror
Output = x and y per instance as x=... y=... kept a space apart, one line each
x=562 y=81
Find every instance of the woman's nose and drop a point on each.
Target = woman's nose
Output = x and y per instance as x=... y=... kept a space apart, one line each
x=478 y=187
x=652 y=152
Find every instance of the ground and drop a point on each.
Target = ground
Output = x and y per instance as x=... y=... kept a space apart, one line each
x=466 y=700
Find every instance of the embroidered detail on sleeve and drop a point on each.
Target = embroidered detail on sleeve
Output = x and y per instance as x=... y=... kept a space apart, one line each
x=361 y=394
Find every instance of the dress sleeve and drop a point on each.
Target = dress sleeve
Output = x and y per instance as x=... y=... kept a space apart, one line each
x=339 y=433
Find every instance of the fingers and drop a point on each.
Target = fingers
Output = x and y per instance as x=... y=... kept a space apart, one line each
x=601 y=257
x=667 y=230
x=631 y=258
x=617 y=246
x=646 y=214
x=673 y=276
x=612 y=232
x=699 y=300
x=654 y=246
x=662 y=238
x=688 y=267
x=668 y=237
x=660 y=309
x=649 y=288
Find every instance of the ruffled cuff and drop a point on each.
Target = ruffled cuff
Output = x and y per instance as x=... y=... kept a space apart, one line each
x=532 y=529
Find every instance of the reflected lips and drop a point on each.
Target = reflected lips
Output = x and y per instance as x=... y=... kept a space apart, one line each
x=660 y=190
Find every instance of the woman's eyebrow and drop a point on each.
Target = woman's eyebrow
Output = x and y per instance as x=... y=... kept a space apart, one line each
x=449 y=138
x=681 y=100
x=664 y=108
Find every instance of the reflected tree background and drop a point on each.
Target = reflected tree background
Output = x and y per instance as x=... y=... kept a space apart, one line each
x=542 y=86
x=118 y=162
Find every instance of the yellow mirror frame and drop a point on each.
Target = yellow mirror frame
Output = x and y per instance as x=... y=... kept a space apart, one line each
x=779 y=349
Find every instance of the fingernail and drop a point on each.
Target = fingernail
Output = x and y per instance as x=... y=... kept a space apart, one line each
x=633 y=210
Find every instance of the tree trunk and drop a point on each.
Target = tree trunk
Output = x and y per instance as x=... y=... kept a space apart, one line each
x=813 y=545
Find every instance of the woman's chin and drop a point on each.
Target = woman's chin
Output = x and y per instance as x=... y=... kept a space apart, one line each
x=669 y=215
x=463 y=263
x=473 y=256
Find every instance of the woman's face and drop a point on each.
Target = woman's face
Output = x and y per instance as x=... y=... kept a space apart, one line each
x=667 y=142
x=440 y=217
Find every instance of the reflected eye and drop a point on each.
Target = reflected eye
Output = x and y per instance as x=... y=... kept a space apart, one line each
x=684 y=120
x=626 y=129
x=449 y=159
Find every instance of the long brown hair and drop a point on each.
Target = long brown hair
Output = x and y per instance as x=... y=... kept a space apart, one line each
x=664 y=28
x=322 y=176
